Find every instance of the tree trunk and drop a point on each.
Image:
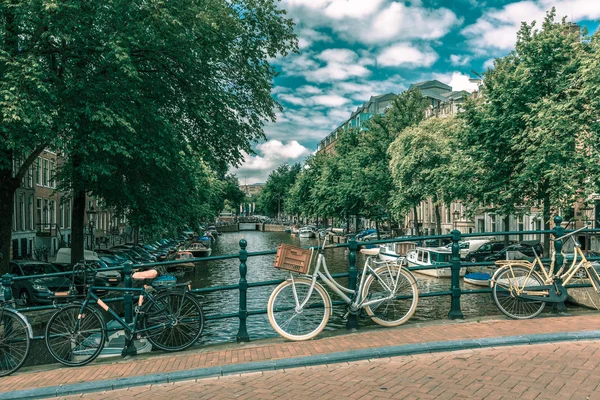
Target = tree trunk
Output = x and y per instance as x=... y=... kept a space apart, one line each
x=547 y=226
x=377 y=229
x=7 y=197
x=506 y=229
x=438 y=222
x=77 y=236
x=416 y=220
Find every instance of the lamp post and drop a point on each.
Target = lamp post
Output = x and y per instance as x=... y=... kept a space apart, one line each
x=456 y=215
x=91 y=213
x=586 y=208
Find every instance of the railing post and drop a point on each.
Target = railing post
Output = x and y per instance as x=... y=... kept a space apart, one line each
x=352 y=322
x=129 y=349
x=7 y=287
x=559 y=258
x=127 y=296
x=455 y=312
x=242 y=335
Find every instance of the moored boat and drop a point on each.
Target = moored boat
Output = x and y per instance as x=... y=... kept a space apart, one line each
x=478 y=278
x=306 y=232
x=395 y=251
x=431 y=257
x=198 y=250
x=183 y=256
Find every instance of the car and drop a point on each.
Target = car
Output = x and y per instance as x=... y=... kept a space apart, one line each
x=42 y=290
x=518 y=251
x=486 y=249
x=63 y=262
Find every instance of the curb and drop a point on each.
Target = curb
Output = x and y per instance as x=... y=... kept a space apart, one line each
x=320 y=359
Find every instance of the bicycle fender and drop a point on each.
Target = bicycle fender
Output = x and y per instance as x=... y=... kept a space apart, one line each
x=27 y=324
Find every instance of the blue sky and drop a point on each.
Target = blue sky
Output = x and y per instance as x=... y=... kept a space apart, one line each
x=353 y=49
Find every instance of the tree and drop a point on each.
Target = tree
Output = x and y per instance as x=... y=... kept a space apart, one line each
x=521 y=136
x=421 y=163
x=126 y=80
x=273 y=197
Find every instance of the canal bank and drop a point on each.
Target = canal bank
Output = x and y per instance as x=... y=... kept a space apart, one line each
x=272 y=354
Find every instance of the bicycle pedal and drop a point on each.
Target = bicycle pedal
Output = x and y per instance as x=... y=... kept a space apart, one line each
x=344 y=317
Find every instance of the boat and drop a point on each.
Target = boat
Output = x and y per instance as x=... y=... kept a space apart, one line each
x=295 y=230
x=184 y=255
x=431 y=256
x=478 y=278
x=306 y=232
x=395 y=251
x=198 y=250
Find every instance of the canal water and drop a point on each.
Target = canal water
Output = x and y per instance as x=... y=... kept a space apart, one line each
x=260 y=268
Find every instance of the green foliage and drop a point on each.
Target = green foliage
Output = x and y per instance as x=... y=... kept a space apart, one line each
x=141 y=97
x=420 y=160
x=525 y=136
x=273 y=198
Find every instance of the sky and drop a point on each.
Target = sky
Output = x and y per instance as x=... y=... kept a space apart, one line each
x=350 y=50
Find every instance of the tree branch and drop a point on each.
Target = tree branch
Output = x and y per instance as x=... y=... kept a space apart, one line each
x=29 y=161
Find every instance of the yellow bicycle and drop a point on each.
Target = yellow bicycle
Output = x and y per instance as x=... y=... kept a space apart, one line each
x=521 y=289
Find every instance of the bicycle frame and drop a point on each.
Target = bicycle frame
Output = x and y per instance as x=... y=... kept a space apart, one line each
x=338 y=288
x=130 y=328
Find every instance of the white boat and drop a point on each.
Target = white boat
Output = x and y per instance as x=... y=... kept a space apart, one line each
x=395 y=251
x=478 y=279
x=306 y=232
x=432 y=256
x=198 y=250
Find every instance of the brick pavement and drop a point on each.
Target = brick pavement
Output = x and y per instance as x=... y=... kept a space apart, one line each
x=542 y=371
x=279 y=349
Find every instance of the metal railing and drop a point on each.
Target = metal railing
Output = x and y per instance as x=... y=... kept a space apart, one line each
x=242 y=285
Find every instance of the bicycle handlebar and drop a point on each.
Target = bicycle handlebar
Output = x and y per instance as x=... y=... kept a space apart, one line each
x=572 y=233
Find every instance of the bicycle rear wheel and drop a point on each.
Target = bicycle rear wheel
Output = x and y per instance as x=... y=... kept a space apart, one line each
x=174 y=321
x=391 y=281
x=503 y=292
x=14 y=342
x=296 y=324
x=75 y=339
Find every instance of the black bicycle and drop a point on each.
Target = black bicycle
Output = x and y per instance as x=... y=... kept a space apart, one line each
x=171 y=319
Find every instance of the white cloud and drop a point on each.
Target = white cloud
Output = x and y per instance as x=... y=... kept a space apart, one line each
x=457 y=80
x=404 y=54
x=309 y=89
x=339 y=9
x=374 y=21
x=271 y=154
x=336 y=64
x=496 y=30
x=299 y=101
x=330 y=100
x=456 y=59
x=308 y=36
x=489 y=63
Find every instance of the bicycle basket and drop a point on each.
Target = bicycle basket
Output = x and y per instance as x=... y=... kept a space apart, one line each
x=164 y=281
x=293 y=258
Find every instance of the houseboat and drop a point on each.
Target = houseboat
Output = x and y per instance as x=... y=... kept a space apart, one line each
x=432 y=256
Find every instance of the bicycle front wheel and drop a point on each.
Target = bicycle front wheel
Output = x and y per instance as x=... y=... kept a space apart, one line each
x=174 y=321
x=14 y=342
x=398 y=293
x=507 y=282
x=73 y=338
x=298 y=324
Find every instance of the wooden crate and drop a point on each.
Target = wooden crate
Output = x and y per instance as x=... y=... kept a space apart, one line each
x=293 y=258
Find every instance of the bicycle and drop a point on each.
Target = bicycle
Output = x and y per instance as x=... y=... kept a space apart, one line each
x=15 y=338
x=521 y=292
x=171 y=320
x=300 y=307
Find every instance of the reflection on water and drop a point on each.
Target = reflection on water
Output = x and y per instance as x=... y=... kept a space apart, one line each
x=260 y=268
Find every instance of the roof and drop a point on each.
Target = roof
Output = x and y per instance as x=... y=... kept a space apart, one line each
x=431 y=84
x=29 y=262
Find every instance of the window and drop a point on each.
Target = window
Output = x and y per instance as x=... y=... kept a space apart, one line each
x=61 y=215
x=521 y=227
x=52 y=211
x=30 y=212
x=46 y=175
x=21 y=212
x=38 y=171
x=39 y=212
x=52 y=173
x=493 y=223
x=45 y=212
x=68 y=214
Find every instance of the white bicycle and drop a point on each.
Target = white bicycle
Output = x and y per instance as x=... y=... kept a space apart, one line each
x=299 y=307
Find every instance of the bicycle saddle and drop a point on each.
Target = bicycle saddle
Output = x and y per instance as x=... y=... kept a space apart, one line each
x=150 y=274
x=371 y=252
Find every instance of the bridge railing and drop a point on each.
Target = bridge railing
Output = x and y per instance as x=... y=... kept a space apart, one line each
x=243 y=285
